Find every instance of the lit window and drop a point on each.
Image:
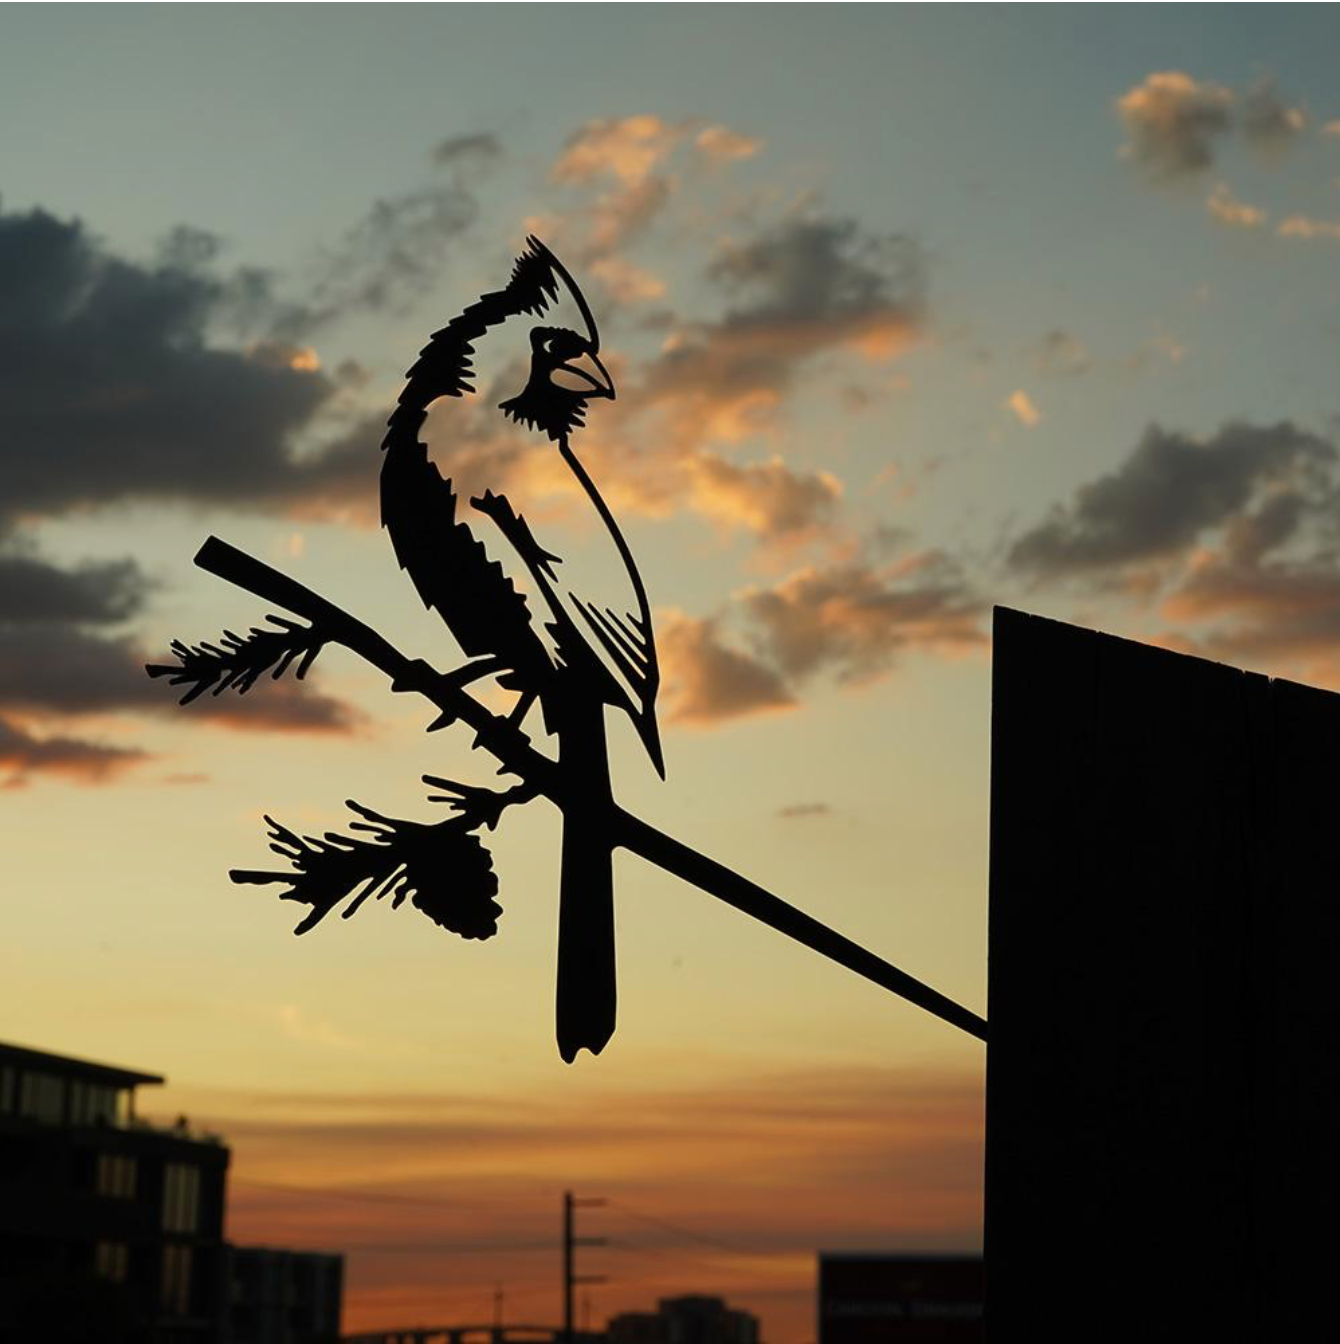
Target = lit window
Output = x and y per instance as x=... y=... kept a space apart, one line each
x=176 y=1280
x=116 y=1175
x=181 y=1197
x=111 y=1260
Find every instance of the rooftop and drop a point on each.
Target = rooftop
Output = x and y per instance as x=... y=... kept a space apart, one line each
x=108 y=1074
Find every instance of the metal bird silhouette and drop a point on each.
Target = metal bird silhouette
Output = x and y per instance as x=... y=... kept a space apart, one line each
x=578 y=658
x=596 y=655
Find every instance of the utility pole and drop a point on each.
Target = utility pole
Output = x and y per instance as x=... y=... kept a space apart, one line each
x=570 y=1243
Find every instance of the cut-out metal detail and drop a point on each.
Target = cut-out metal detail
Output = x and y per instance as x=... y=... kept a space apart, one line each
x=583 y=657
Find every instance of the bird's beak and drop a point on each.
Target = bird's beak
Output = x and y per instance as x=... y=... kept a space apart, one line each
x=592 y=376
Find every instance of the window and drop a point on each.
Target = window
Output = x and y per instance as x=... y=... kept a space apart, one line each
x=177 y=1280
x=95 y=1104
x=181 y=1197
x=6 y=1089
x=42 y=1097
x=116 y=1175
x=111 y=1260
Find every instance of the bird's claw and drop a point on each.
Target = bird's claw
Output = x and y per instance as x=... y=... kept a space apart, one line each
x=417 y=676
x=479 y=807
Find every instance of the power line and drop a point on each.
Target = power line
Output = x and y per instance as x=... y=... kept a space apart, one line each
x=666 y=1226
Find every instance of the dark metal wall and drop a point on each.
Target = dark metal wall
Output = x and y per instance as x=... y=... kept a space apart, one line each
x=1163 y=1068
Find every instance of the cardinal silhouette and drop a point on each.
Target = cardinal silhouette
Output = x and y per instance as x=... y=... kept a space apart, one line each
x=586 y=655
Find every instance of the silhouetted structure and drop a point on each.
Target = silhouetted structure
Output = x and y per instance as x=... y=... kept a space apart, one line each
x=887 y=1298
x=472 y=1334
x=283 y=1297
x=1162 y=1090
x=105 y=1221
x=684 y=1320
x=584 y=653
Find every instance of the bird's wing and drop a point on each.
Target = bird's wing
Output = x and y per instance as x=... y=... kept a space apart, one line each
x=607 y=652
x=452 y=570
x=621 y=634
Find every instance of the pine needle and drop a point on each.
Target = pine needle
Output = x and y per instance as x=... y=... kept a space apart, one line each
x=441 y=866
x=237 y=662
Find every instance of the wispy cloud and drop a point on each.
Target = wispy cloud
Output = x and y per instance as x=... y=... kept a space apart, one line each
x=1308 y=227
x=1020 y=404
x=849 y=619
x=1227 y=209
x=1269 y=123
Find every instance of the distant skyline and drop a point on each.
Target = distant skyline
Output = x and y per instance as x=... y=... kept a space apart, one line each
x=912 y=311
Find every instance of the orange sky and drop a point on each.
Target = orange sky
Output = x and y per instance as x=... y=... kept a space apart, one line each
x=728 y=1189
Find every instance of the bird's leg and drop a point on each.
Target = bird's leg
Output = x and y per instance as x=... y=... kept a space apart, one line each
x=427 y=680
x=479 y=807
x=517 y=531
x=537 y=560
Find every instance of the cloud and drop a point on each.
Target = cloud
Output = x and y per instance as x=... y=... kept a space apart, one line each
x=766 y=498
x=707 y=680
x=1227 y=209
x=1170 y=490
x=110 y=390
x=24 y=754
x=856 y=619
x=792 y=295
x=1231 y=540
x=626 y=148
x=1021 y=404
x=822 y=271
x=1061 y=353
x=60 y=669
x=1173 y=122
x=722 y=145
x=33 y=590
x=1261 y=611
x=1269 y=124
x=805 y=287
x=626 y=282
x=470 y=150
x=384 y=261
x=852 y=620
x=1306 y=227
x=1267 y=589
x=625 y=155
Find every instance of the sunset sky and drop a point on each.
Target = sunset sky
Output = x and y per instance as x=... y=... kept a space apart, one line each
x=912 y=311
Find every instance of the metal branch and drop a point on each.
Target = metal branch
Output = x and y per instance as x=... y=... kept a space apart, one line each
x=511 y=747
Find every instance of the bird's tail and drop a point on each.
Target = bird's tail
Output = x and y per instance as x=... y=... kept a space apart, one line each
x=586 y=993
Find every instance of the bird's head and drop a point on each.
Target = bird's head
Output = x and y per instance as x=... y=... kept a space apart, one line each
x=565 y=371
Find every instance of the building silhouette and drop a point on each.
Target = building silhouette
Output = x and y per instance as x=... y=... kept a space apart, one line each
x=111 y=1229
x=887 y=1298
x=684 y=1320
x=283 y=1297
